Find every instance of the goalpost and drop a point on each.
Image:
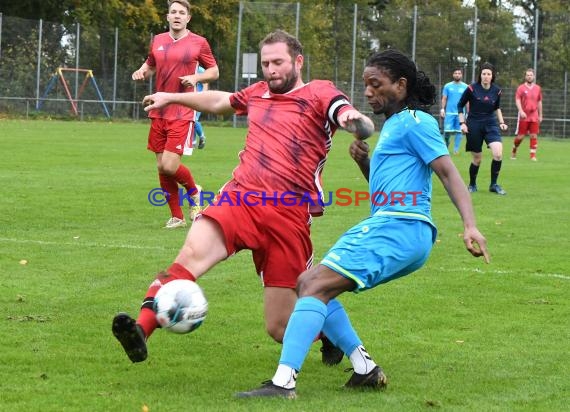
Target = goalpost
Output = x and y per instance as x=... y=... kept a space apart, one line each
x=89 y=77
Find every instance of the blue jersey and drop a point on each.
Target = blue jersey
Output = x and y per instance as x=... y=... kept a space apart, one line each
x=400 y=175
x=199 y=85
x=482 y=103
x=453 y=92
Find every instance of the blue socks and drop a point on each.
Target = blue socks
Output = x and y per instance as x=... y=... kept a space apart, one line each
x=304 y=325
x=457 y=142
x=309 y=317
x=338 y=328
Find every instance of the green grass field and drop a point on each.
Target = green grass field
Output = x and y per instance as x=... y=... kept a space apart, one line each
x=458 y=335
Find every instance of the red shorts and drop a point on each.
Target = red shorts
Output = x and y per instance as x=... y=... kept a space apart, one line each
x=525 y=127
x=170 y=135
x=278 y=236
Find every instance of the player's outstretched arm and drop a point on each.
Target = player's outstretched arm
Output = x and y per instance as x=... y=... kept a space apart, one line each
x=474 y=241
x=212 y=101
x=356 y=123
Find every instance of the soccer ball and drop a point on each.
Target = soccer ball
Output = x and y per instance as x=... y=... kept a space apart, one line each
x=180 y=306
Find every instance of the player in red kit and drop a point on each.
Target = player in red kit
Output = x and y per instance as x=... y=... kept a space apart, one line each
x=291 y=125
x=175 y=57
x=528 y=99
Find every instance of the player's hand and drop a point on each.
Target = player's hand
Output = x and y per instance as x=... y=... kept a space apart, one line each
x=442 y=113
x=476 y=244
x=155 y=101
x=359 y=150
x=464 y=128
x=503 y=126
x=188 y=81
x=138 y=74
x=357 y=123
x=522 y=114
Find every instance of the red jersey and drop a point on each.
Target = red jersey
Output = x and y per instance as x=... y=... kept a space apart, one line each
x=289 y=137
x=173 y=59
x=529 y=97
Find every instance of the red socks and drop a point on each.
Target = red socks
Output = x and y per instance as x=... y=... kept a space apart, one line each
x=184 y=177
x=517 y=142
x=169 y=185
x=177 y=271
x=147 y=319
x=533 y=146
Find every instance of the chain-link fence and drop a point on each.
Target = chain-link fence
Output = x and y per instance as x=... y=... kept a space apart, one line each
x=337 y=40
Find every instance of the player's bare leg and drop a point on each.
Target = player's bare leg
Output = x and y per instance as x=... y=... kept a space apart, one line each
x=203 y=248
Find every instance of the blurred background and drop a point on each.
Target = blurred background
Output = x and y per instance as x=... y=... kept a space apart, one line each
x=72 y=58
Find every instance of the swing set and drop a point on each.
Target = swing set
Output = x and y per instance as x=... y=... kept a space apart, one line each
x=59 y=74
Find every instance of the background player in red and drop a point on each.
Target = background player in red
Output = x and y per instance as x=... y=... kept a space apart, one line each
x=528 y=99
x=291 y=125
x=175 y=56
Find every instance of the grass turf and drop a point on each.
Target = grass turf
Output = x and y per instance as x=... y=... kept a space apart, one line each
x=457 y=335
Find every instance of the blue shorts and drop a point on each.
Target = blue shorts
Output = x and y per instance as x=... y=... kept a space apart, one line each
x=380 y=249
x=479 y=132
x=451 y=123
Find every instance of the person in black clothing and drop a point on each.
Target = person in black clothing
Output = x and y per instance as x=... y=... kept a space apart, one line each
x=484 y=98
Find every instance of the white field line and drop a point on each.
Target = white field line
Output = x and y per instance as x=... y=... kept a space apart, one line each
x=78 y=242
x=563 y=276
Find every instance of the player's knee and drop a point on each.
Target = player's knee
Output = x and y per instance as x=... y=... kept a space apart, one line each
x=303 y=282
x=276 y=331
x=307 y=284
x=166 y=169
x=188 y=253
x=477 y=159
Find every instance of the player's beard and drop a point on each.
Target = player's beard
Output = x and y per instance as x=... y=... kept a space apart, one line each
x=286 y=84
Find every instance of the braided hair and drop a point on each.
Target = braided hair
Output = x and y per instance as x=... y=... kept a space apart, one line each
x=420 y=93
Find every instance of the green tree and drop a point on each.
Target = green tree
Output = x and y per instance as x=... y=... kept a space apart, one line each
x=52 y=10
x=497 y=41
x=327 y=34
x=217 y=21
x=19 y=58
x=443 y=38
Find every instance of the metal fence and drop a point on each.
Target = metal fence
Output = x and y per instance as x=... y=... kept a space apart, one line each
x=438 y=40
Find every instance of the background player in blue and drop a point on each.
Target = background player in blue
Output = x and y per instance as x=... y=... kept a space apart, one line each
x=484 y=98
x=398 y=236
x=450 y=96
x=199 y=136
